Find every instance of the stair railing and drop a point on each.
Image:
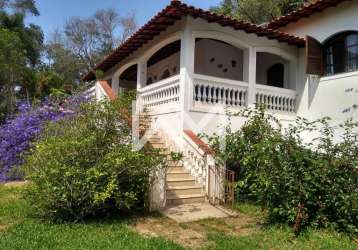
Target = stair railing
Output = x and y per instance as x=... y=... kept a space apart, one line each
x=216 y=179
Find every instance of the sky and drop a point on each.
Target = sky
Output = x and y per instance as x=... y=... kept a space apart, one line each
x=54 y=13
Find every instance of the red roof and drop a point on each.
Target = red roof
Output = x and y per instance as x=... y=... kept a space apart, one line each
x=305 y=11
x=174 y=12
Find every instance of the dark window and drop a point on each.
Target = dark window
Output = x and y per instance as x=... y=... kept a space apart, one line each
x=341 y=53
x=165 y=74
x=275 y=75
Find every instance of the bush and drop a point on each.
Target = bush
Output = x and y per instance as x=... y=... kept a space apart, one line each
x=85 y=165
x=302 y=184
x=18 y=132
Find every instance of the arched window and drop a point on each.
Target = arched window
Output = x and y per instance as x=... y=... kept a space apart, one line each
x=275 y=75
x=341 y=53
x=165 y=74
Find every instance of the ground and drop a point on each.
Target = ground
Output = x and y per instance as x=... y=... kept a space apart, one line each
x=19 y=230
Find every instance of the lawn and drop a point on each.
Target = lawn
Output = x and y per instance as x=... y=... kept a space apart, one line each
x=18 y=230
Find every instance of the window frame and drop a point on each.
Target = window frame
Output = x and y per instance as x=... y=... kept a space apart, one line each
x=330 y=65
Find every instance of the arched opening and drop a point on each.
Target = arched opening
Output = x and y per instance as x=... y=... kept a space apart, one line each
x=340 y=53
x=128 y=79
x=167 y=58
x=275 y=75
x=219 y=59
x=271 y=70
x=165 y=74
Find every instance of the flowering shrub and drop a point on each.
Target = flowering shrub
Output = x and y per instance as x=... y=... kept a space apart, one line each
x=302 y=184
x=85 y=165
x=18 y=133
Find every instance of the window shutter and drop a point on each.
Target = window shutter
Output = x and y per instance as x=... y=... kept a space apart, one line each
x=314 y=57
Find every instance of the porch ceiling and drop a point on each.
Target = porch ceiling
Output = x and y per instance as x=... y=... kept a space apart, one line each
x=174 y=12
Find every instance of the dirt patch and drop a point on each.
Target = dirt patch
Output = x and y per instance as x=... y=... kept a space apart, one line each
x=15 y=184
x=194 y=234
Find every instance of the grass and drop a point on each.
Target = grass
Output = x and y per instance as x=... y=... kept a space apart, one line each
x=18 y=230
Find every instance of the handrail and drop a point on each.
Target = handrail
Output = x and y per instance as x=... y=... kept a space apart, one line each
x=160 y=84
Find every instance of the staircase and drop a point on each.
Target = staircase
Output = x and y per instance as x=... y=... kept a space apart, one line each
x=181 y=187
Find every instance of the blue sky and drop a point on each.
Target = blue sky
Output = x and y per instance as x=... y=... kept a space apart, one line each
x=54 y=13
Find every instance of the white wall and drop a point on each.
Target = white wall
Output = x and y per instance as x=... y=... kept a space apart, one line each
x=334 y=96
x=264 y=61
x=224 y=54
x=327 y=23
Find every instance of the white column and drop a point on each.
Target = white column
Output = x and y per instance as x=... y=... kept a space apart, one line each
x=186 y=70
x=251 y=96
x=115 y=84
x=141 y=74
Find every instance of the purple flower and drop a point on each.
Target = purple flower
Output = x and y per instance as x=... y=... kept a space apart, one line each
x=18 y=133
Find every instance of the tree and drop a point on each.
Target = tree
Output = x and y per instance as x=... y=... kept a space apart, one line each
x=90 y=39
x=20 y=6
x=12 y=64
x=258 y=11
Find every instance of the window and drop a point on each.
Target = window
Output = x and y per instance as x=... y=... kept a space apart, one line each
x=341 y=53
x=275 y=75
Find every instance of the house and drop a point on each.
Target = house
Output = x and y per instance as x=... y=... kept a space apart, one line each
x=189 y=65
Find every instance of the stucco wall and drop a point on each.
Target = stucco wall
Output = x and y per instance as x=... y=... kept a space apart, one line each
x=327 y=23
x=264 y=62
x=215 y=58
x=334 y=96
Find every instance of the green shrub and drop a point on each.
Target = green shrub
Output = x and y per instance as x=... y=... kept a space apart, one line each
x=85 y=165
x=314 y=184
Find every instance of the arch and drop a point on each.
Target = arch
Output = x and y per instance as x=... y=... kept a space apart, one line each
x=128 y=78
x=340 y=53
x=276 y=75
x=221 y=36
x=276 y=51
x=163 y=60
x=273 y=70
x=218 y=58
x=160 y=44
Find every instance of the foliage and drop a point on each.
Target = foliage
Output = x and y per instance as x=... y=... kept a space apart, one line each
x=18 y=133
x=302 y=184
x=12 y=63
x=19 y=229
x=90 y=39
x=257 y=11
x=85 y=165
x=20 y=6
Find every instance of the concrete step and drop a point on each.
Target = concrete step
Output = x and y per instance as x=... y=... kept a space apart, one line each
x=184 y=199
x=159 y=145
x=181 y=182
x=183 y=190
x=175 y=169
x=178 y=175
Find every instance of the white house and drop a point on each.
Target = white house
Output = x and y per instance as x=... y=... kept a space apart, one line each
x=188 y=65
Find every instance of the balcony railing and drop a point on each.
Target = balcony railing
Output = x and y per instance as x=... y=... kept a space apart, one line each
x=276 y=99
x=216 y=91
x=163 y=93
x=212 y=92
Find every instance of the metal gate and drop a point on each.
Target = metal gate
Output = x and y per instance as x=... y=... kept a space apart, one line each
x=221 y=186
